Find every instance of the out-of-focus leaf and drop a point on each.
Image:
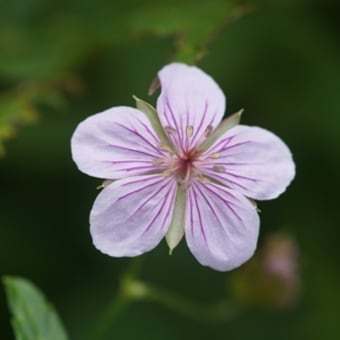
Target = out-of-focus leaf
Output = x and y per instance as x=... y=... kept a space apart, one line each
x=59 y=39
x=40 y=41
x=19 y=106
x=193 y=22
x=34 y=318
x=15 y=111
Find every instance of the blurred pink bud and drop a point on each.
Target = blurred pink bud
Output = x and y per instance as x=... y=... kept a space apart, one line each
x=271 y=278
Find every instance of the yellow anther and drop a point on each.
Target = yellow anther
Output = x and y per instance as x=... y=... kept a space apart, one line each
x=214 y=155
x=157 y=161
x=170 y=130
x=219 y=168
x=202 y=179
x=164 y=147
x=167 y=172
x=189 y=131
x=208 y=131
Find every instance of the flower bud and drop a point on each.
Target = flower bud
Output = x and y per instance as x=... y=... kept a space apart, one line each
x=271 y=278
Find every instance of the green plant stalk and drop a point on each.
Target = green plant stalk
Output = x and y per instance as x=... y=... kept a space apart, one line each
x=219 y=311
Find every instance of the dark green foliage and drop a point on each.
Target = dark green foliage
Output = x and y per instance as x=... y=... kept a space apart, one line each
x=61 y=61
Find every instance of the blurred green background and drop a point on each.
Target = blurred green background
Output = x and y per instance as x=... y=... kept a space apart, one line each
x=62 y=61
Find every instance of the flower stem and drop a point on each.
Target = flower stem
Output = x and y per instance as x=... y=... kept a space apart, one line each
x=132 y=290
x=115 y=308
x=119 y=303
x=219 y=311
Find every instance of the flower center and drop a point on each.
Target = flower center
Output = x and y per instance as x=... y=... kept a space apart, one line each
x=185 y=168
x=184 y=163
x=180 y=166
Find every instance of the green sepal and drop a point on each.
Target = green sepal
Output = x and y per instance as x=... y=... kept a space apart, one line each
x=152 y=115
x=225 y=125
x=176 y=230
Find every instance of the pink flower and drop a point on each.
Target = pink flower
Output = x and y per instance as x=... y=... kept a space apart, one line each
x=180 y=171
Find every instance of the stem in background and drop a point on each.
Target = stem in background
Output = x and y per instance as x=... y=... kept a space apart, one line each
x=115 y=308
x=131 y=289
x=220 y=311
x=119 y=303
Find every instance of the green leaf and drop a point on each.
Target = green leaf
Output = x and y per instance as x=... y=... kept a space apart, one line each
x=27 y=51
x=42 y=42
x=19 y=106
x=34 y=318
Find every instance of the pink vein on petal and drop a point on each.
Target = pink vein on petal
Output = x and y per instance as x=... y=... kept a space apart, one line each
x=165 y=200
x=226 y=147
x=225 y=201
x=217 y=146
x=200 y=124
x=199 y=216
x=132 y=150
x=171 y=137
x=218 y=177
x=136 y=133
x=233 y=163
x=187 y=142
x=149 y=166
x=142 y=188
x=170 y=206
x=179 y=132
x=212 y=210
x=150 y=133
x=129 y=161
x=242 y=177
x=190 y=209
x=146 y=199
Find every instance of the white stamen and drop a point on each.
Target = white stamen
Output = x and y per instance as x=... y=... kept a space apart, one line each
x=170 y=130
x=219 y=168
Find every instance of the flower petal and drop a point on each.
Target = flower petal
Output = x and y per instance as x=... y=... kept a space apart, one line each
x=221 y=226
x=116 y=143
x=131 y=216
x=251 y=160
x=190 y=105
